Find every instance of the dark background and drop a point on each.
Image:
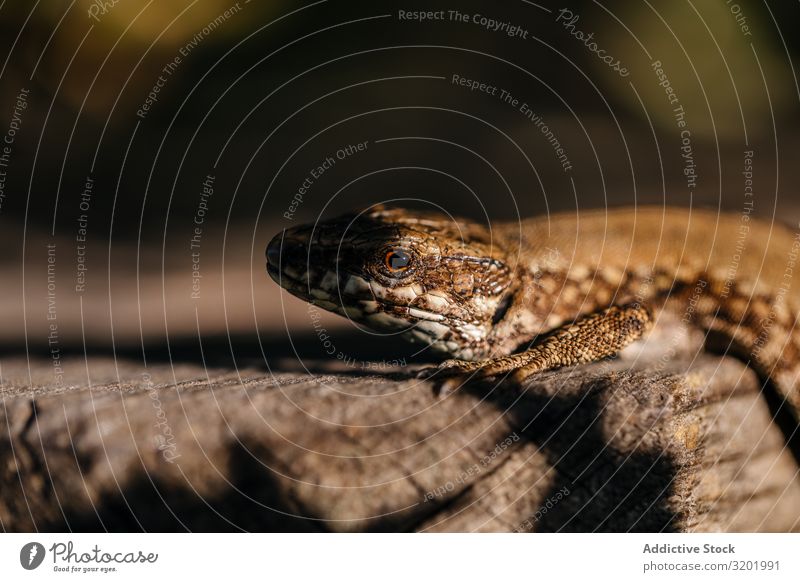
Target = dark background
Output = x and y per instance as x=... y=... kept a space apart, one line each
x=278 y=86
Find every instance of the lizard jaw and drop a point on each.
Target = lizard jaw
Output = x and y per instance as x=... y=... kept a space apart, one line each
x=416 y=325
x=364 y=308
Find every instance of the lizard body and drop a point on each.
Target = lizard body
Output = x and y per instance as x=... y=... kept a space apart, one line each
x=557 y=290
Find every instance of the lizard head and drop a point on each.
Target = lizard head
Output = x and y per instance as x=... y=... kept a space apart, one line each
x=436 y=280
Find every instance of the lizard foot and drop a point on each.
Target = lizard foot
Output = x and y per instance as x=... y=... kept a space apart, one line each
x=448 y=368
x=451 y=375
x=589 y=339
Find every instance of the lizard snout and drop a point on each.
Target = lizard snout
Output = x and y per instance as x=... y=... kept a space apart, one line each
x=284 y=254
x=274 y=250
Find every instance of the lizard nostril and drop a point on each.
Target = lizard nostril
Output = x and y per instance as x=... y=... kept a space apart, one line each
x=274 y=250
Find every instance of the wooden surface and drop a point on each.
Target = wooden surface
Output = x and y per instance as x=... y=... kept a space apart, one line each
x=615 y=446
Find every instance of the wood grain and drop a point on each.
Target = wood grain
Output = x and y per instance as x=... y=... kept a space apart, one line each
x=605 y=447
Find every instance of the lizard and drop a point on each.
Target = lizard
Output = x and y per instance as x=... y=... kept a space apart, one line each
x=519 y=298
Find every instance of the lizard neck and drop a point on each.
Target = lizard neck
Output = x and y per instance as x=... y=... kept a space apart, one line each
x=525 y=317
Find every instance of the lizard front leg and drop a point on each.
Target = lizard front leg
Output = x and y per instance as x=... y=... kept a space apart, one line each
x=590 y=338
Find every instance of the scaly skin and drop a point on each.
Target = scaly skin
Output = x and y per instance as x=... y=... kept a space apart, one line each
x=557 y=290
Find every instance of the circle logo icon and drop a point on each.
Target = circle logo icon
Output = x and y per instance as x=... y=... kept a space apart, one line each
x=31 y=555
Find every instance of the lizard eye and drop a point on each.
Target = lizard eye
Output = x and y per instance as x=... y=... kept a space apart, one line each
x=397 y=260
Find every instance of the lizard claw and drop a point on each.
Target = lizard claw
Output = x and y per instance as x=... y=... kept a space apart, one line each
x=451 y=375
x=427 y=373
x=449 y=385
x=445 y=369
x=447 y=377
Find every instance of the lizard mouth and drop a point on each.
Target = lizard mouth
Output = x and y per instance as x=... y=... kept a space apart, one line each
x=350 y=295
x=283 y=254
x=357 y=305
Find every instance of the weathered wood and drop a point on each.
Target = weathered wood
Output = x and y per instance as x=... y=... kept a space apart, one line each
x=601 y=447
